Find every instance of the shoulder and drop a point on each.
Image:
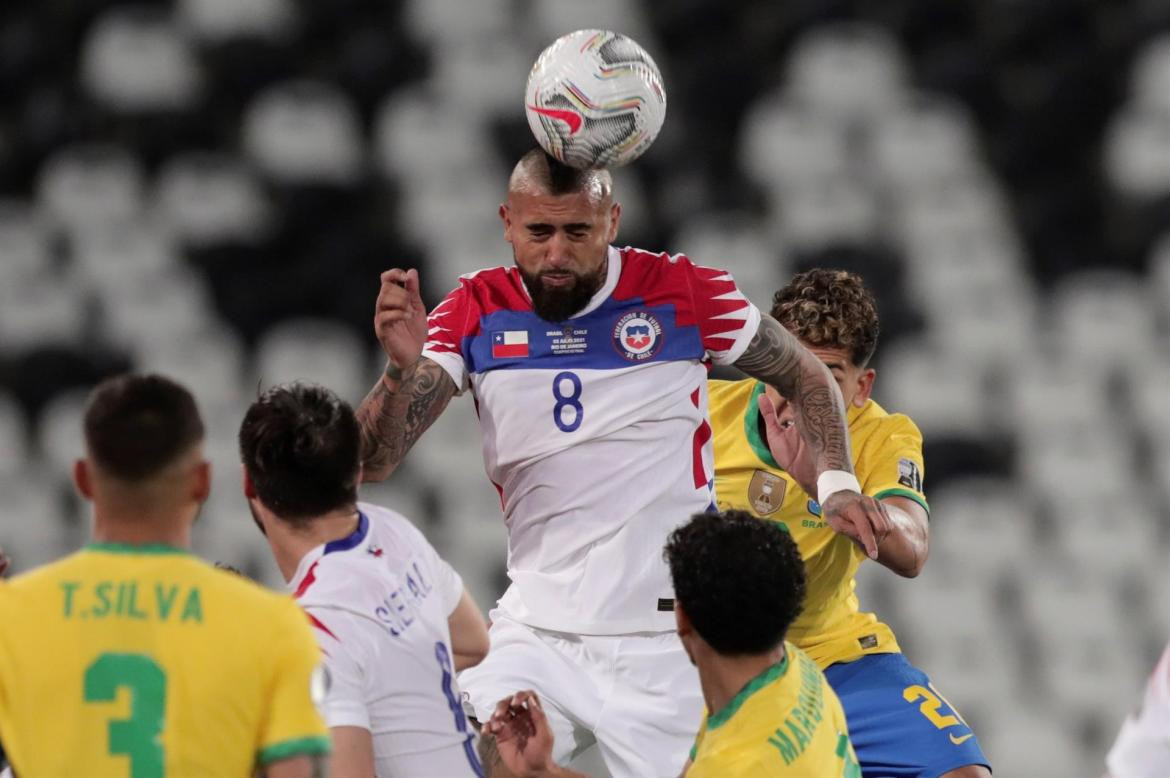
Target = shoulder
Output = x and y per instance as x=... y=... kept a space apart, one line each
x=492 y=288
x=721 y=392
x=389 y=525
x=875 y=421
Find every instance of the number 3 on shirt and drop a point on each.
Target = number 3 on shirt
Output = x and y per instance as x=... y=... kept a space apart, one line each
x=138 y=736
x=567 y=402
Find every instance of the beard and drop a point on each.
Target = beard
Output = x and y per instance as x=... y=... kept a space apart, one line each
x=556 y=304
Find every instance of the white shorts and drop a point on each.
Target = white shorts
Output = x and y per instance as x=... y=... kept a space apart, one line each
x=637 y=696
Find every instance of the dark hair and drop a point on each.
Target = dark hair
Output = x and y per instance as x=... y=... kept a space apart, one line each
x=137 y=425
x=557 y=178
x=739 y=579
x=830 y=309
x=301 y=446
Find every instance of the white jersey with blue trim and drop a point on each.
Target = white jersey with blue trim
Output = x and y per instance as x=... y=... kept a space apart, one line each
x=379 y=600
x=595 y=429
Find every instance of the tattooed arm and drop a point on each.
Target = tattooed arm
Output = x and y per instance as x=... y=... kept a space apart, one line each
x=396 y=412
x=776 y=357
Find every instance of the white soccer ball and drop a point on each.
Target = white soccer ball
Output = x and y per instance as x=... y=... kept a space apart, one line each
x=595 y=99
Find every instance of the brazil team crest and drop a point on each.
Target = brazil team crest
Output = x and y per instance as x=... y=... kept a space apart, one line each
x=766 y=491
x=637 y=336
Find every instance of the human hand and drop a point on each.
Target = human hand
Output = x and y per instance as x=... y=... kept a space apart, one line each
x=400 y=318
x=861 y=518
x=788 y=448
x=524 y=739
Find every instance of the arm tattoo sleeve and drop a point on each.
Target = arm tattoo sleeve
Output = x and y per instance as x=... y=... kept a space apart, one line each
x=489 y=757
x=776 y=357
x=391 y=421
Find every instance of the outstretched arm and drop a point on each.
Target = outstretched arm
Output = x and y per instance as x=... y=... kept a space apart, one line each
x=396 y=412
x=776 y=357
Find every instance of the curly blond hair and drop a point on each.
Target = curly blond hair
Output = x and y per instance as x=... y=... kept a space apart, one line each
x=829 y=309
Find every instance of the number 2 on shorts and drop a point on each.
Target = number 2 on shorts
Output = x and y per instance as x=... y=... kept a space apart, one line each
x=138 y=736
x=931 y=703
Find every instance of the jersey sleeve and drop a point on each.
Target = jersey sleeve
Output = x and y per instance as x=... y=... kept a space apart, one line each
x=890 y=462
x=727 y=319
x=446 y=327
x=292 y=726
x=1142 y=749
x=340 y=640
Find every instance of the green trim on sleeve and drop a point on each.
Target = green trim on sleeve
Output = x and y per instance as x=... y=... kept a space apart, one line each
x=751 y=427
x=907 y=493
x=315 y=745
x=694 y=751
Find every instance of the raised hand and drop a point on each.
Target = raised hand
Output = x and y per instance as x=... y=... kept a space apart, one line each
x=400 y=318
x=788 y=448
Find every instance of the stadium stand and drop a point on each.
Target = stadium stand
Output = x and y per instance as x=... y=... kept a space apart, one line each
x=210 y=188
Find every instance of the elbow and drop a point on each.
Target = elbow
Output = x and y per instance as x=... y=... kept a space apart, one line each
x=915 y=565
x=376 y=473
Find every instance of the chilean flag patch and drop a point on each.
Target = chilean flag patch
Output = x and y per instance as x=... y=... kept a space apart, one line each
x=509 y=344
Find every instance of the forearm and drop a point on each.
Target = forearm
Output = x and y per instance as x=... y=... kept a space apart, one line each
x=905 y=547
x=396 y=412
x=777 y=358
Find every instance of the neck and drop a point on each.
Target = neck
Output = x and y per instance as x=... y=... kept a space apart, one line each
x=141 y=528
x=723 y=677
x=290 y=544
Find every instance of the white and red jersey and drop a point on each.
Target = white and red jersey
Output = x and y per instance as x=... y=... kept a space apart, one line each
x=379 y=601
x=1142 y=749
x=595 y=429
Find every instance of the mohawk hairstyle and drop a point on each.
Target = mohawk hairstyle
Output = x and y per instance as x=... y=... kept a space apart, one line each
x=537 y=171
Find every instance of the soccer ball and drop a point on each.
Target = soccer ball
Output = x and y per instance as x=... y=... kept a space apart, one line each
x=595 y=99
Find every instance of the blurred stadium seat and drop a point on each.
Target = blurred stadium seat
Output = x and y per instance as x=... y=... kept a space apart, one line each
x=209 y=188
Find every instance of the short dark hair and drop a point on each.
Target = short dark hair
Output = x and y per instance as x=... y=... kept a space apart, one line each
x=543 y=170
x=301 y=445
x=138 y=425
x=830 y=309
x=739 y=579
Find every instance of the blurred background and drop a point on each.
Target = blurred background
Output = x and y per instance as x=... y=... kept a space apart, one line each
x=209 y=188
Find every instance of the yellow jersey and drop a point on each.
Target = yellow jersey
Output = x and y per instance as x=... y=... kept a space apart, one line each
x=144 y=661
x=787 y=721
x=887 y=458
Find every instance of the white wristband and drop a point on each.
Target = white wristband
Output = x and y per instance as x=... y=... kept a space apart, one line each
x=832 y=481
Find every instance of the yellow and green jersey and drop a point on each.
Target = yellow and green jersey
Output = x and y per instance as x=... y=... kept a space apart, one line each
x=787 y=722
x=144 y=661
x=887 y=458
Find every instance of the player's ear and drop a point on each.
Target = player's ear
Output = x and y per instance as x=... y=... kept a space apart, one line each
x=249 y=487
x=506 y=218
x=682 y=622
x=82 y=479
x=201 y=481
x=864 y=386
x=615 y=219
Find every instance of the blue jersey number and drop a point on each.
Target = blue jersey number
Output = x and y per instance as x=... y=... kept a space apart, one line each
x=571 y=401
x=444 y=659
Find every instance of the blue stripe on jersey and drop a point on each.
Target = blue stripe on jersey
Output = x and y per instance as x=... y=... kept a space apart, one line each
x=352 y=539
x=599 y=348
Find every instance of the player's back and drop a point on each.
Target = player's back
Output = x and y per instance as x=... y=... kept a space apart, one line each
x=146 y=661
x=786 y=722
x=379 y=600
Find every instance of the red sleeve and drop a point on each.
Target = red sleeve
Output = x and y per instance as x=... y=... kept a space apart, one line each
x=727 y=319
x=446 y=327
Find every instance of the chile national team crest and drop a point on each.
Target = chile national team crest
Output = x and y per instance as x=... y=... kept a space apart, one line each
x=637 y=336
